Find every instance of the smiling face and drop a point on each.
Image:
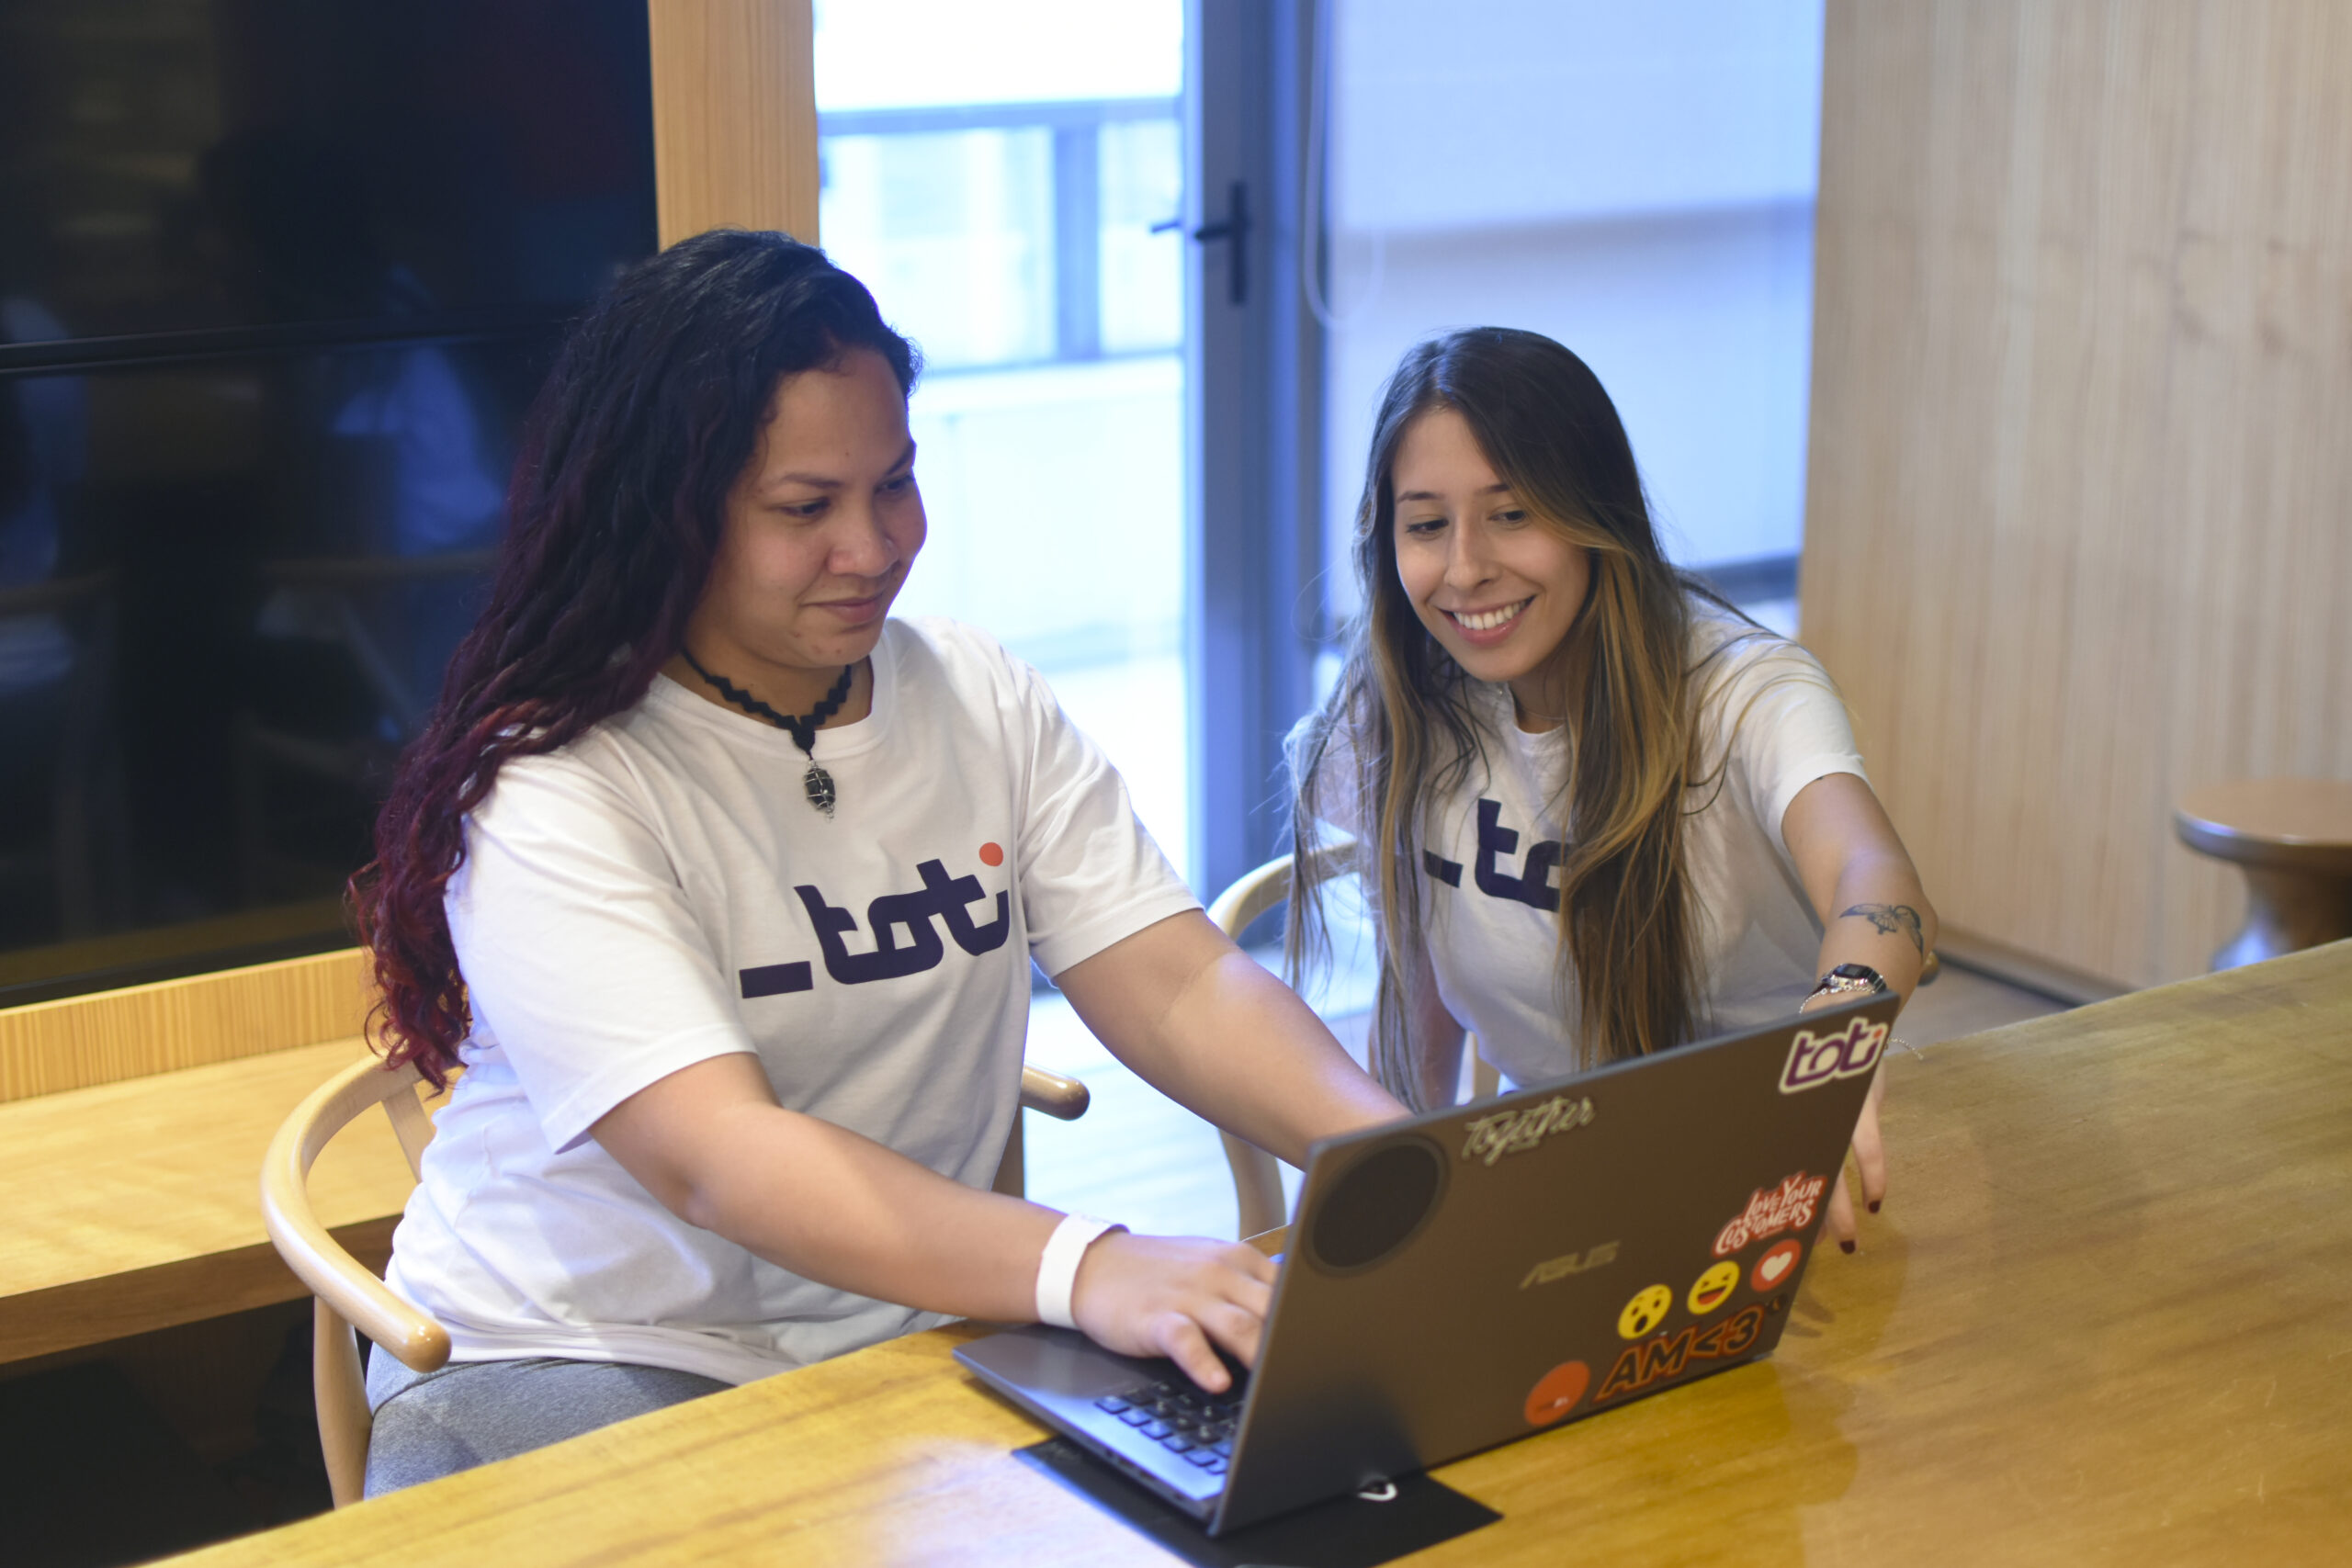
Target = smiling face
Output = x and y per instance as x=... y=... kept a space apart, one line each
x=819 y=532
x=1497 y=586
x=1714 y=1288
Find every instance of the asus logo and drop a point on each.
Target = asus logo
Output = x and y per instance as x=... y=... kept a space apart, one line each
x=1552 y=1268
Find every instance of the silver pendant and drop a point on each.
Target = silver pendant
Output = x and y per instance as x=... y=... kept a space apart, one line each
x=819 y=785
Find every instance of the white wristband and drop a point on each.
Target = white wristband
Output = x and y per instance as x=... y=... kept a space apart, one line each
x=1058 y=1265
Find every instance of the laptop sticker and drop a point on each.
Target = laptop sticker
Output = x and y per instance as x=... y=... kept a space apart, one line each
x=1778 y=1264
x=1556 y=1392
x=1638 y=1366
x=1516 y=1131
x=1714 y=1288
x=1644 y=1312
x=1814 y=1060
x=1770 y=1211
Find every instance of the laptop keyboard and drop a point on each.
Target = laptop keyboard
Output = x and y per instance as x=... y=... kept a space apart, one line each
x=1182 y=1418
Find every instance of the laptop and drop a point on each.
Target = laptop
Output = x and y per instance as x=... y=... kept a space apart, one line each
x=1479 y=1274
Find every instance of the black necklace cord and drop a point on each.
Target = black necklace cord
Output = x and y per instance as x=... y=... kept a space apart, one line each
x=802 y=729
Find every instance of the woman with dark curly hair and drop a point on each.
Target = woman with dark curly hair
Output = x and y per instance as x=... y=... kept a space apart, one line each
x=1598 y=812
x=723 y=886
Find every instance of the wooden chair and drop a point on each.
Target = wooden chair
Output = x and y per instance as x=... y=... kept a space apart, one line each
x=1257 y=1175
x=347 y=1293
x=1049 y=1094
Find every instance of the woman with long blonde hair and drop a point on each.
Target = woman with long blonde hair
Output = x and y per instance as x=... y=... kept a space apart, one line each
x=1595 y=812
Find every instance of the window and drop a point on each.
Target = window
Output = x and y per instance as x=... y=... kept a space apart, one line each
x=998 y=190
x=1636 y=182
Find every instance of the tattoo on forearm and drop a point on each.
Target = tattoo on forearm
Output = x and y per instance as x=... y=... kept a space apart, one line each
x=1893 y=917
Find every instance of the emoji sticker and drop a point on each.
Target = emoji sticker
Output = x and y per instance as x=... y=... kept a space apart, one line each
x=1556 y=1392
x=1644 y=1312
x=1714 y=1288
x=1776 y=1266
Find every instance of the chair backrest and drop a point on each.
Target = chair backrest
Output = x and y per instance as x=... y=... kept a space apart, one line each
x=1257 y=1176
x=348 y=1294
x=1063 y=1099
x=346 y=1291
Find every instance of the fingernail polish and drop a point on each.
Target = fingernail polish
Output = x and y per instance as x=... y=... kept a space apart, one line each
x=1845 y=1247
x=1875 y=1202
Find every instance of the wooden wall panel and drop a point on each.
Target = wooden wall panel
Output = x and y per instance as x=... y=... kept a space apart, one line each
x=2079 y=525
x=734 y=115
x=81 y=1042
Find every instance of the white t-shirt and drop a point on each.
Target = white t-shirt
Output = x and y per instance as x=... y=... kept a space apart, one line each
x=1489 y=885
x=661 y=892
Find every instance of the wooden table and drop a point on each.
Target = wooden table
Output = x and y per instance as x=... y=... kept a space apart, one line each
x=133 y=1205
x=2105 y=1314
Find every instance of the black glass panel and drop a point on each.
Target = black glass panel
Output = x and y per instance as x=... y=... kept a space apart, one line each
x=228 y=592
x=276 y=279
x=209 y=165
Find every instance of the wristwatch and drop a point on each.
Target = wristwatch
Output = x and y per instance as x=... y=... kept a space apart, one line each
x=1846 y=981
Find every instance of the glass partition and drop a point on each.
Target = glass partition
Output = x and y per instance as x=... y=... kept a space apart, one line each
x=1635 y=181
x=1009 y=216
x=276 y=282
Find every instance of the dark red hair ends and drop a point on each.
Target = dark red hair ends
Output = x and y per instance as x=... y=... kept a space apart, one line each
x=653 y=408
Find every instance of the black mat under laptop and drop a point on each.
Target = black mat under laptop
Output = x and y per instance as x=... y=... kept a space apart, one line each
x=1346 y=1532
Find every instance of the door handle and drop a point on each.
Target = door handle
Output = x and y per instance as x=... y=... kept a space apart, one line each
x=1235 y=227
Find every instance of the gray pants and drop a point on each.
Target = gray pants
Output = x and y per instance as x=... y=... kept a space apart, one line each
x=470 y=1413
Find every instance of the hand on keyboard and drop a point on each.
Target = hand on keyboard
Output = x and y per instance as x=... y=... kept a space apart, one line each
x=1182 y=1297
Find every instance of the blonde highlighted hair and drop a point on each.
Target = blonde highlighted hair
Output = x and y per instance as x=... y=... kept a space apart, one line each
x=1400 y=732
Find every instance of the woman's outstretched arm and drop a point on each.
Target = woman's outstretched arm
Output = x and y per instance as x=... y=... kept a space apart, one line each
x=713 y=1145
x=1178 y=1002
x=1873 y=911
x=1860 y=880
x=1207 y=1026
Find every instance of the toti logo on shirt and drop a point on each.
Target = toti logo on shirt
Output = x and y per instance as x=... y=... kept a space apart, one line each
x=1531 y=885
x=906 y=941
